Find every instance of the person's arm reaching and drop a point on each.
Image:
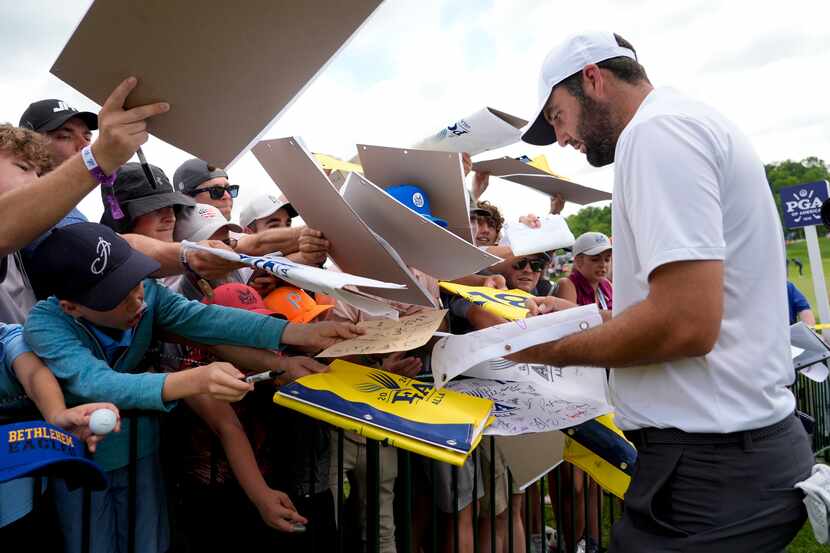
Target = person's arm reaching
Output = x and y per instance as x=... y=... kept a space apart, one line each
x=680 y=317
x=169 y=256
x=274 y=506
x=42 y=388
x=29 y=211
x=807 y=317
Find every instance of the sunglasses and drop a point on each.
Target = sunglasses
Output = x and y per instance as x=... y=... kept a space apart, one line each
x=536 y=265
x=217 y=192
x=230 y=242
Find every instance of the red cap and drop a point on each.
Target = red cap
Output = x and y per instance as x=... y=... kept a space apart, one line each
x=240 y=296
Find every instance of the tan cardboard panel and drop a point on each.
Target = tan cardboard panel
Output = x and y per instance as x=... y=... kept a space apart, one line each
x=421 y=243
x=354 y=247
x=228 y=69
x=527 y=175
x=440 y=174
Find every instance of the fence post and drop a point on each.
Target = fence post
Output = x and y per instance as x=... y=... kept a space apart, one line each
x=373 y=496
x=132 y=473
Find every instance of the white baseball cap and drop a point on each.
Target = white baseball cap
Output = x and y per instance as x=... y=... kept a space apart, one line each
x=591 y=243
x=200 y=222
x=264 y=205
x=569 y=57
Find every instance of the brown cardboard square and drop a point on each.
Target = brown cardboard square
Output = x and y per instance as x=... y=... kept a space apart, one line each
x=421 y=243
x=354 y=247
x=228 y=69
x=531 y=456
x=527 y=175
x=440 y=174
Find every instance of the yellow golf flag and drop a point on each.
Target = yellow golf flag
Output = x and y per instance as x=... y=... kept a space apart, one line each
x=404 y=412
x=504 y=303
x=599 y=448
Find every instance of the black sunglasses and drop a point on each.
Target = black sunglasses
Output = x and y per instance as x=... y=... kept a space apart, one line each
x=216 y=192
x=536 y=265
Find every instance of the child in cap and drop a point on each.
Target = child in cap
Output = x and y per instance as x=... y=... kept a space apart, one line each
x=94 y=334
x=231 y=490
x=26 y=383
x=295 y=304
x=150 y=208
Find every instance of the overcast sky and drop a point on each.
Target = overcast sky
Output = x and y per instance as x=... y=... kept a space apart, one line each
x=419 y=65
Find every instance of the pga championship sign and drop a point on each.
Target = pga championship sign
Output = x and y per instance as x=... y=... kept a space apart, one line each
x=801 y=203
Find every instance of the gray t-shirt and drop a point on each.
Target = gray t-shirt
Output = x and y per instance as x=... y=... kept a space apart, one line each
x=16 y=294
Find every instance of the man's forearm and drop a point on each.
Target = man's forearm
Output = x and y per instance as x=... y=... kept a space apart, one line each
x=641 y=335
x=28 y=211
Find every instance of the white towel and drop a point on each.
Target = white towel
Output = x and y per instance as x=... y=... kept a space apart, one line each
x=817 y=499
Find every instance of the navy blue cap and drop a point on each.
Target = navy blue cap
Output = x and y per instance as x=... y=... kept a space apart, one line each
x=37 y=448
x=414 y=197
x=90 y=264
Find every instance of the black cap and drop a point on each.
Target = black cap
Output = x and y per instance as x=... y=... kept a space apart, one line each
x=194 y=172
x=138 y=197
x=90 y=264
x=48 y=115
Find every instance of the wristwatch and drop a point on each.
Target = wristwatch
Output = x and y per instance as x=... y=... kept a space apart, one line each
x=104 y=180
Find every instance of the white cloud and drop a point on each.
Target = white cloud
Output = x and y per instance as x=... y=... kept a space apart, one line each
x=419 y=65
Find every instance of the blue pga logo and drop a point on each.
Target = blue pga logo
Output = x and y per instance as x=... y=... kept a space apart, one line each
x=801 y=204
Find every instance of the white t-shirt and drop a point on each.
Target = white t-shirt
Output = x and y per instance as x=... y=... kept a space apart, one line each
x=689 y=186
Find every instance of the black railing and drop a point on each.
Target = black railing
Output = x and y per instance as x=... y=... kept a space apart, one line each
x=812 y=398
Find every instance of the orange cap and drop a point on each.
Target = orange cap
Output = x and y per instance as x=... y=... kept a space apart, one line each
x=294 y=304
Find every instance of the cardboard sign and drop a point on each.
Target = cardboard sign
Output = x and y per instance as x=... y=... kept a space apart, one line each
x=531 y=456
x=528 y=175
x=355 y=248
x=486 y=129
x=389 y=336
x=228 y=69
x=421 y=243
x=440 y=174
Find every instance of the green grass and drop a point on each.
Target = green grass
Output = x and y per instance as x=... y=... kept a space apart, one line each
x=804 y=542
x=804 y=282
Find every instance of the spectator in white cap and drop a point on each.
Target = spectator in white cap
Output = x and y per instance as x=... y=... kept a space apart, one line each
x=267 y=211
x=700 y=366
x=194 y=224
x=588 y=282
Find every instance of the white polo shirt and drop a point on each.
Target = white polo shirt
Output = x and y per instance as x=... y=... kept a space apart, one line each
x=689 y=186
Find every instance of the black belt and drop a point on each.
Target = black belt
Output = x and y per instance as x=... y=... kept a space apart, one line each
x=645 y=436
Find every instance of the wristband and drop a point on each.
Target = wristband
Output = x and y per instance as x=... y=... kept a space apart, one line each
x=105 y=181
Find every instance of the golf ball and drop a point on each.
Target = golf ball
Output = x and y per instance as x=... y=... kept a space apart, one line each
x=102 y=421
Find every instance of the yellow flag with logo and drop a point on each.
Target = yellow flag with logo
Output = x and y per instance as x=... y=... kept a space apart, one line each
x=404 y=412
x=599 y=448
x=509 y=304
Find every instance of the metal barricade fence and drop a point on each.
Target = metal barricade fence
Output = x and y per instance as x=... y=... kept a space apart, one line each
x=813 y=399
x=418 y=476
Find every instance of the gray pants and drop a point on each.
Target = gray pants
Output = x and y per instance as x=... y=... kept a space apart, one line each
x=690 y=495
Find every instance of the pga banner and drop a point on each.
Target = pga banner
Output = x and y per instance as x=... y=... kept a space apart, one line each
x=801 y=204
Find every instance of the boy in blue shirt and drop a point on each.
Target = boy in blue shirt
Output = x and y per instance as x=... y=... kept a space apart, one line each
x=94 y=333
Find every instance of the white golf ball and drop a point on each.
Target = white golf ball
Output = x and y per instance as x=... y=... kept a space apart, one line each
x=102 y=421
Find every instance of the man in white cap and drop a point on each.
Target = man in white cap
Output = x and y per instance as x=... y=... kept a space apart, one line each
x=698 y=341
x=195 y=224
x=266 y=211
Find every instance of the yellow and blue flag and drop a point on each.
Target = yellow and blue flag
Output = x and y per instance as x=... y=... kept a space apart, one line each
x=404 y=412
